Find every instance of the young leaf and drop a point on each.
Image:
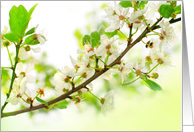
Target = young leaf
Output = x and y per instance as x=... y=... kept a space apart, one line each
x=166 y=10
x=142 y=4
x=152 y=85
x=111 y=34
x=86 y=39
x=41 y=101
x=126 y=4
x=12 y=37
x=31 y=31
x=177 y=10
x=18 y=21
x=32 y=9
x=31 y=40
x=95 y=38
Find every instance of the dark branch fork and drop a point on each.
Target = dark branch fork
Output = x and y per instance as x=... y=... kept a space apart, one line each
x=96 y=75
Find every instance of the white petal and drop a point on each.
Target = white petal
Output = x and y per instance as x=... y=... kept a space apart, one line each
x=20 y=67
x=58 y=76
x=36 y=50
x=103 y=110
x=73 y=61
x=29 y=68
x=23 y=55
x=23 y=86
x=13 y=100
x=40 y=39
x=31 y=79
x=110 y=93
x=81 y=106
x=79 y=51
x=91 y=86
x=125 y=12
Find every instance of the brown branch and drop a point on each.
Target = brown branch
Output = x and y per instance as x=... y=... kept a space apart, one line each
x=96 y=75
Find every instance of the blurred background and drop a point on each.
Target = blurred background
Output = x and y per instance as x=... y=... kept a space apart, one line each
x=136 y=107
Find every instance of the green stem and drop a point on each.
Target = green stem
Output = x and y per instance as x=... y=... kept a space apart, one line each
x=96 y=63
x=6 y=67
x=77 y=79
x=144 y=42
x=153 y=68
x=94 y=95
x=25 y=101
x=12 y=78
x=135 y=32
x=130 y=82
x=99 y=59
x=130 y=34
x=36 y=96
x=150 y=34
x=106 y=59
x=123 y=34
x=146 y=24
x=27 y=95
x=9 y=56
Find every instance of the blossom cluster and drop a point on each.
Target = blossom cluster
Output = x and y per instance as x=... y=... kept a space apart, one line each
x=94 y=59
x=98 y=54
x=20 y=92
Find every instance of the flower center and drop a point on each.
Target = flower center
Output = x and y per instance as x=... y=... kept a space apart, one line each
x=148 y=58
x=138 y=72
x=160 y=61
x=121 y=17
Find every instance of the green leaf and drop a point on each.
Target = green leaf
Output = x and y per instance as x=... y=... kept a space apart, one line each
x=95 y=39
x=12 y=37
x=31 y=40
x=177 y=10
x=172 y=3
x=61 y=105
x=142 y=4
x=126 y=4
x=86 y=39
x=41 y=101
x=18 y=21
x=152 y=85
x=111 y=34
x=32 y=9
x=166 y=10
x=31 y=31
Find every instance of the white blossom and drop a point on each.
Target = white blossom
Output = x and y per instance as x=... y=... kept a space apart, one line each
x=18 y=90
x=125 y=70
x=25 y=72
x=167 y=32
x=107 y=104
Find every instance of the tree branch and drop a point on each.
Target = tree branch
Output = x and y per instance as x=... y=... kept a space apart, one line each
x=96 y=75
